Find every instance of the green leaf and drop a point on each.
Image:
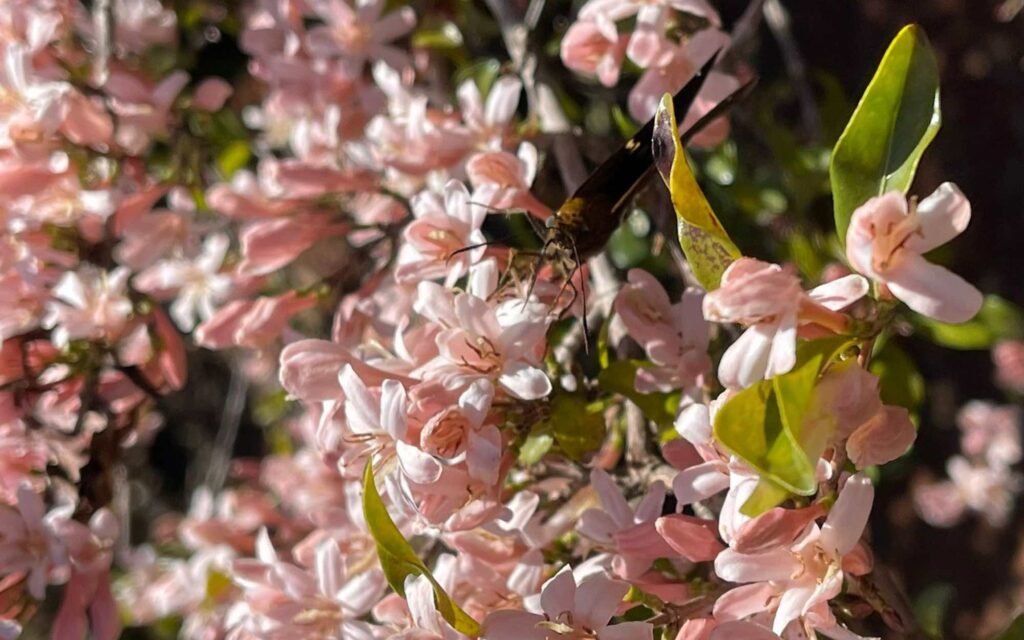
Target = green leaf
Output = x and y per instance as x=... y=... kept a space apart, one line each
x=899 y=381
x=1014 y=632
x=764 y=424
x=578 y=428
x=535 y=447
x=931 y=606
x=998 y=319
x=766 y=495
x=896 y=119
x=398 y=560
x=444 y=36
x=707 y=245
x=234 y=156
x=620 y=377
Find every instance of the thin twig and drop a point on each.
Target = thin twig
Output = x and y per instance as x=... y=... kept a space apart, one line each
x=101 y=29
x=227 y=432
x=777 y=18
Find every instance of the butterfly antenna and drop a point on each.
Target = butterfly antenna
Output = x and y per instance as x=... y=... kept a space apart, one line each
x=471 y=247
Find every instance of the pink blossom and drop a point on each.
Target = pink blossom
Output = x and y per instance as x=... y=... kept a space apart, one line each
x=986 y=490
x=592 y=49
x=379 y=428
x=445 y=237
x=458 y=433
x=89 y=304
x=846 y=405
x=887 y=239
x=29 y=541
x=360 y=33
x=211 y=94
x=1008 y=357
x=990 y=432
x=88 y=601
x=426 y=620
x=770 y=300
x=142 y=108
x=31 y=109
x=669 y=67
x=883 y=438
x=140 y=24
x=651 y=17
x=196 y=285
x=569 y=609
x=629 y=532
x=799 y=578
x=489 y=121
x=286 y=601
x=269 y=245
x=502 y=343
x=252 y=323
x=675 y=337
x=502 y=181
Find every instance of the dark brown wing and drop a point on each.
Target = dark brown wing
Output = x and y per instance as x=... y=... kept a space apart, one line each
x=619 y=177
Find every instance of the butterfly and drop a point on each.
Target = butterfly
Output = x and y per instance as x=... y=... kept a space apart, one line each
x=586 y=220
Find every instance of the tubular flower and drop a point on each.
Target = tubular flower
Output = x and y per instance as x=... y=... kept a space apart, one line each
x=886 y=242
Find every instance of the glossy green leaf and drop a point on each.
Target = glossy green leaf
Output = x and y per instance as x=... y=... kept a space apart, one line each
x=398 y=560
x=707 y=245
x=998 y=319
x=766 y=495
x=764 y=424
x=896 y=119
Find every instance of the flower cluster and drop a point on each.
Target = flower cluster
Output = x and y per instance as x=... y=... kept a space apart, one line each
x=662 y=41
x=329 y=244
x=982 y=479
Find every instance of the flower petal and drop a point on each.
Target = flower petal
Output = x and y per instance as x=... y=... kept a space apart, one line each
x=933 y=291
x=943 y=216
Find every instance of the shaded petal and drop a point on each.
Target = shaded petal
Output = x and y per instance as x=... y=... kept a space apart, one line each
x=597 y=599
x=849 y=515
x=778 y=564
x=932 y=290
x=559 y=593
x=841 y=292
x=699 y=482
x=691 y=537
x=744 y=601
x=612 y=500
x=513 y=625
x=627 y=631
x=745 y=361
x=419 y=466
x=525 y=382
x=943 y=216
x=503 y=100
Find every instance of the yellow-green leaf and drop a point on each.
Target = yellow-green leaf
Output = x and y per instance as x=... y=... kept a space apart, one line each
x=766 y=495
x=896 y=119
x=707 y=245
x=764 y=424
x=398 y=560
